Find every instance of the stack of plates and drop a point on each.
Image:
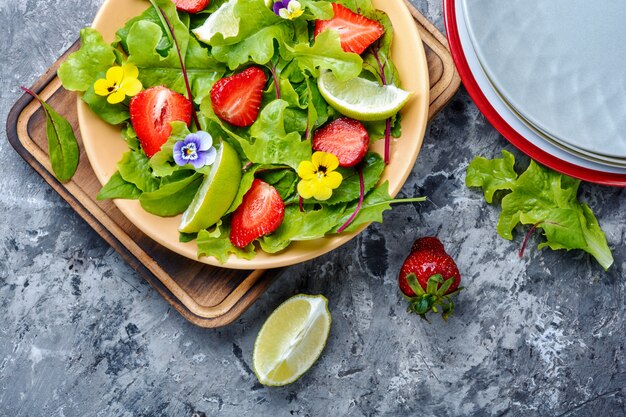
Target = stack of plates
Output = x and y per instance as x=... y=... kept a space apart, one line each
x=550 y=76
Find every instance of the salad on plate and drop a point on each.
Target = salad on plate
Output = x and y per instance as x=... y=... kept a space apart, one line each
x=251 y=119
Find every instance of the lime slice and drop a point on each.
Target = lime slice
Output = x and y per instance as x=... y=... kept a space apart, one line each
x=223 y=21
x=216 y=194
x=291 y=339
x=362 y=99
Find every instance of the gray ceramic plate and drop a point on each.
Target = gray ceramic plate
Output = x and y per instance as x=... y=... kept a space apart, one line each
x=560 y=64
x=512 y=118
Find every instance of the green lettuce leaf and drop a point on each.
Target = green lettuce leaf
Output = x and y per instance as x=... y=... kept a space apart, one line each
x=82 y=68
x=272 y=144
x=116 y=187
x=258 y=47
x=325 y=54
x=217 y=243
x=134 y=168
x=542 y=198
x=174 y=195
x=297 y=225
x=492 y=175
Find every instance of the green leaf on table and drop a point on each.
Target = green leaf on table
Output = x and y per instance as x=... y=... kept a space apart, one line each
x=83 y=67
x=116 y=187
x=174 y=195
x=217 y=243
x=62 y=145
x=544 y=199
x=492 y=174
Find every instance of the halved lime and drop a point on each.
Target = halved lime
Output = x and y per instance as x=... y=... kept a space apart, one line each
x=362 y=99
x=291 y=339
x=216 y=194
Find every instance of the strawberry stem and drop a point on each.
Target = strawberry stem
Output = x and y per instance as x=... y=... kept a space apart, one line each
x=170 y=29
x=358 y=207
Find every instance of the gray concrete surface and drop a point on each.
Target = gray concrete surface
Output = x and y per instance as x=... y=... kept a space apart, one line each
x=81 y=334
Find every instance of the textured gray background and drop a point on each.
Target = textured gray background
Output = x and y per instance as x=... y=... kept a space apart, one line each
x=81 y=334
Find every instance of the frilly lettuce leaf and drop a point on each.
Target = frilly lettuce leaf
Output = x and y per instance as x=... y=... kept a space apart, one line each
x=492 y=175
x=542 y=198
x=217 y=243
x=83 y=67
x=325 y=54
x=271 y=143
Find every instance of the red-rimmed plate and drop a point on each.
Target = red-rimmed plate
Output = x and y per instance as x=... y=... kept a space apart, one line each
x=537 y=151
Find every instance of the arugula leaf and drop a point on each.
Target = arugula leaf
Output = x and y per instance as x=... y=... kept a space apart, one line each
x=542 y=198
x=325 y=54
x=174 y=195
x=217 y=243
x=134 y=168
x=492 y=175
x=116 y=187
x=82 y=68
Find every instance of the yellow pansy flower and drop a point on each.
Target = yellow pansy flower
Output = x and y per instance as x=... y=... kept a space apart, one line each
x=318 y=176
x=119 y=83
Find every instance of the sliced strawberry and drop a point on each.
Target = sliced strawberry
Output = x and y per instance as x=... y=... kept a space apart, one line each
x=356 y=31
x=237 y=99
x=345 y=138
x=261 y=212
x=152 y=111
x=191 y=6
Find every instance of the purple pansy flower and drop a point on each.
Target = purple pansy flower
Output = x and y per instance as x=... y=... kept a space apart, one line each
x=197 y=149
x=288 y=9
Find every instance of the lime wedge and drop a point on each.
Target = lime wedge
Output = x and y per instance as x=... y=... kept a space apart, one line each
x=291 y=339
x=362 y=99
x=216 y=194
x=223 y=21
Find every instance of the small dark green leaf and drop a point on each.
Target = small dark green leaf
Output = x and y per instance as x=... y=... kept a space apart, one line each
x=173 y=197
x=118 y=188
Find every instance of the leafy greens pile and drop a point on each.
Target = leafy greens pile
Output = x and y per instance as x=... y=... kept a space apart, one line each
x=542 y=198
x=243 y=33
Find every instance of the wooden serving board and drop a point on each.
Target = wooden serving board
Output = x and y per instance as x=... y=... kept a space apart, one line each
x=207 y=296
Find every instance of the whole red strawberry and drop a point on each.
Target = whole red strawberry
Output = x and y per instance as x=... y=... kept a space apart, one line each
x=429 y=277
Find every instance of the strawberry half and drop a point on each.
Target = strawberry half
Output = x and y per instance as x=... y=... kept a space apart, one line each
x=429 y=277
x=191 y=6
x=152 y=111
x=345 y=138
x=356 y=31
x=237 y=99
x=261 y=212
